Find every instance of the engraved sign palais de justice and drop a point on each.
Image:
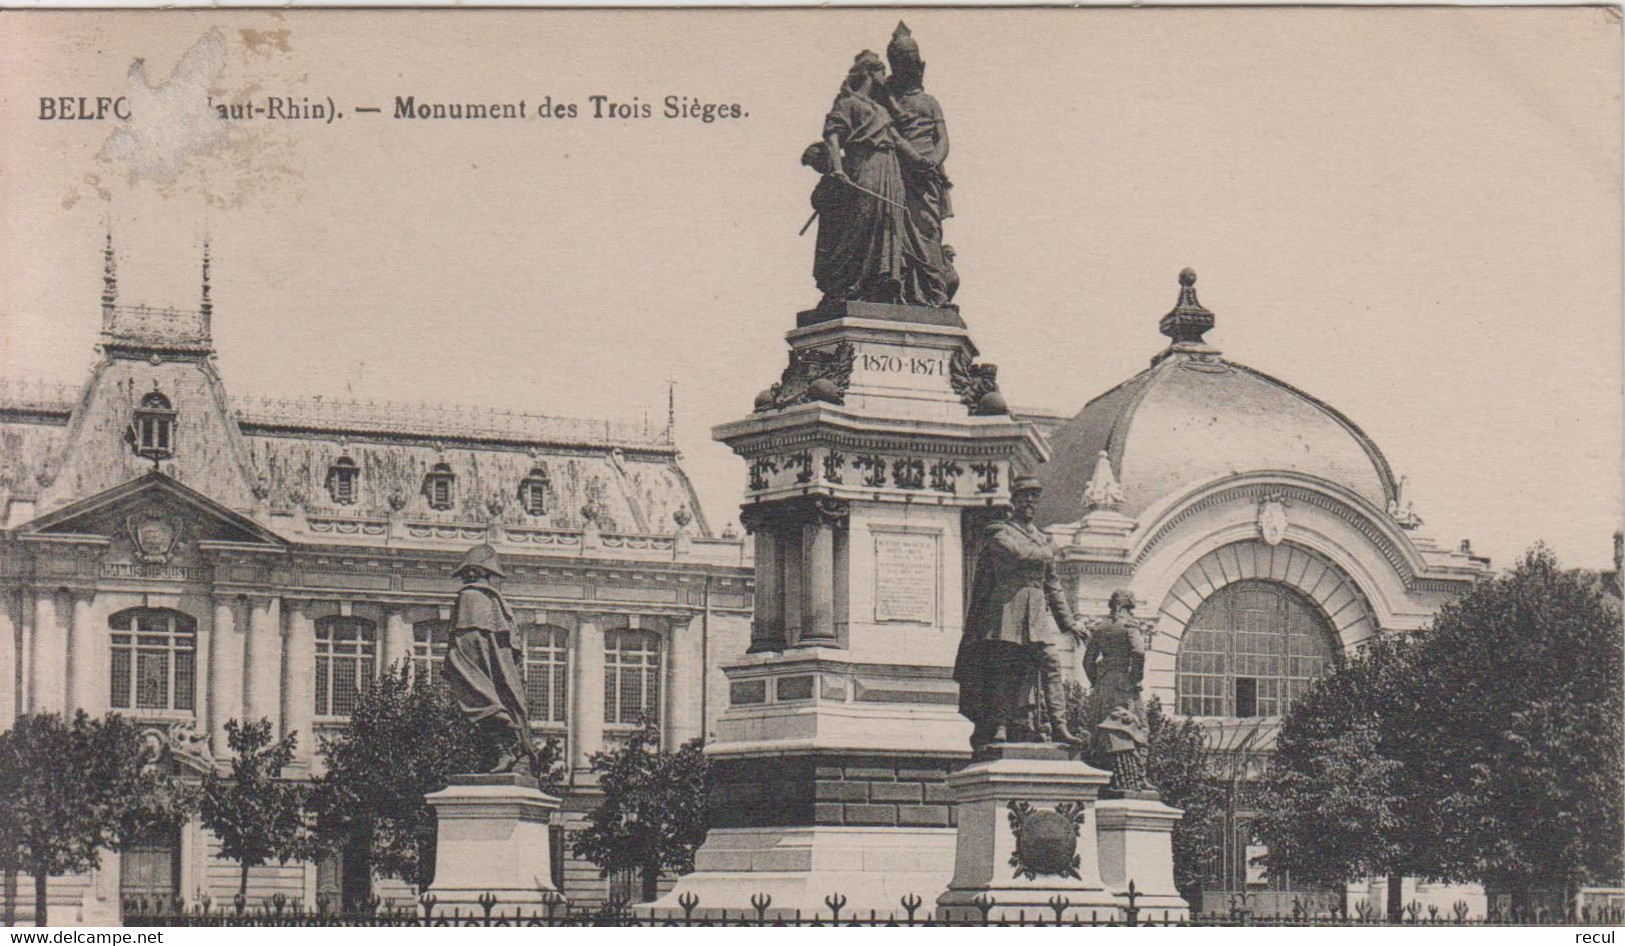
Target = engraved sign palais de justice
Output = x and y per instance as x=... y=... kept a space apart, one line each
x=305 y=660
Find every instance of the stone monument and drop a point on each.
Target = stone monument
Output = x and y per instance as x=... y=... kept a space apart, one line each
x=879 y=454
x=492 y=827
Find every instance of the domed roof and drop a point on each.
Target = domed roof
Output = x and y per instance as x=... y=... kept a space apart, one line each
x=1192 y=418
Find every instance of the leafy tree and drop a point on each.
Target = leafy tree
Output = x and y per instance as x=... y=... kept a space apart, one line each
x=652 y=817
x=258 y=816
x=404 y=740
x=1335 y=804
x=1517 y=740
x=70 y=789
x=1179 y=765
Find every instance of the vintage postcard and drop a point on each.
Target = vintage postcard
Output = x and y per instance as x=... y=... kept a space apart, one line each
x=1102 y=467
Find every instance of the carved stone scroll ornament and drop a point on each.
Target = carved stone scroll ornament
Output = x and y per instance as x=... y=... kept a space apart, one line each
x=813 y=374
x=977 y=385
x=1046 y=841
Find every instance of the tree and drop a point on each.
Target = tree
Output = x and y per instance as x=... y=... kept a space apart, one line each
x=1517 y=741
x=1335 y=804
x=257 y=816
x=652 y=817
x=70 y=789
x=1178 y=764
x=404 y=740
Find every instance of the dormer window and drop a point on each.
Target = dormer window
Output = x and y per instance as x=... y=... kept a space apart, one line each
x=152 y=429
x=439 y=485
x=533 y=492
x=342 y=478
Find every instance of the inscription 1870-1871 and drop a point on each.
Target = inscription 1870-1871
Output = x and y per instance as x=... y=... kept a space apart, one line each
x=926 y=365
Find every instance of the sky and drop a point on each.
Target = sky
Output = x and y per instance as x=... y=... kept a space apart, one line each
x=1414 y=215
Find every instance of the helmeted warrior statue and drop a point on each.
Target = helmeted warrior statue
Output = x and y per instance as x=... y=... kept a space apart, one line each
x=919 y=121
x=1008 y=668
x=482 y=661
x=1114 y=662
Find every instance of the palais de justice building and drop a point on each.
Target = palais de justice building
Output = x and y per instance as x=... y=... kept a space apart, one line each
x=185 y=557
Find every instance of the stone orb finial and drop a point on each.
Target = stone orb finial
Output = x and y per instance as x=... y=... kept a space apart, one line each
x=1187 y=277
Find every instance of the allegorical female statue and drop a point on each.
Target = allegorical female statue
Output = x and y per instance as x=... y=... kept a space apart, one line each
x=482 y=661
x=928 y=274
x=1008 y=667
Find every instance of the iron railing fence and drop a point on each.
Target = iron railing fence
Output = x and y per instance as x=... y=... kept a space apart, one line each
x=282 y=911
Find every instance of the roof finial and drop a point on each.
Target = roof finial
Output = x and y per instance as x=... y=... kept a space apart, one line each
x=206 y=308
x=109 y=280
x=1187 y=322
x=671 y=410
x=1102 y=491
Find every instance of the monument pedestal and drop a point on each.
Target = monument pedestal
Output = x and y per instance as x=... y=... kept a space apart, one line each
x=492 y=839
x=1136 y=844
x=1027 y=837
x=874 y=461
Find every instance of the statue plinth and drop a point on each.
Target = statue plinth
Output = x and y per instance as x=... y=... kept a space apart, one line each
x=1027 y=837
x=868 y=467
x=1136 y=844
x=492 y=839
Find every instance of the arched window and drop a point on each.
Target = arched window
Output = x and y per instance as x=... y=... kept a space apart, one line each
x=1250 y=650
x=154 y=660
x=547 y=670
x=346 y=660
x=439 y=486
x=533 y=492
x=631 y=677
x=429 y=640
x=152 y=428
x=342 y=478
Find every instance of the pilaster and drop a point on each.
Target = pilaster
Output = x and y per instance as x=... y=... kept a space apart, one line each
x=226 y=671
x=299 y=669
x=262 y=683
x=50 y=658
x=9 y=647
x=587 y=696
x=397 y=638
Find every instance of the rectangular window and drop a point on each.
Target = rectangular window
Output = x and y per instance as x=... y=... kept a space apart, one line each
x=1246 y=697
x=631 y=677
x=346 y=661
x=153 y=654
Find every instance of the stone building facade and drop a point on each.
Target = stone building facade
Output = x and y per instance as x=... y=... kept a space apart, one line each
x=1264 y=536
x=185 y=557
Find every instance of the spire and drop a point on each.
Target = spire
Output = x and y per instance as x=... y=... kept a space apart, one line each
x=1102 y=491
x=109 y=280
x=671 y=411
x=206 y=307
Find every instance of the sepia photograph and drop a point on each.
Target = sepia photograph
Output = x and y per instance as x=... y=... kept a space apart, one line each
x=912 y=467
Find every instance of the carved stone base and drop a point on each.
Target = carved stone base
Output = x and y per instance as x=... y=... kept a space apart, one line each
x=1136 y=843
x=1027 y=837
x=492 y=840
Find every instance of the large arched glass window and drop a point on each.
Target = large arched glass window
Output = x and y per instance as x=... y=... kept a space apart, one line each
x=547 y=668
x=631 y=677
x=1250 y=650
x=346 y=660
x=154 y=660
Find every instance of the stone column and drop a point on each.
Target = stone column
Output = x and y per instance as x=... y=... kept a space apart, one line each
x=587 y=705
x=397 y=638
x=9 y=639
x=202 y=692
x=685 y=675
x=227 y=661
x=767 y=629
x=818 y=571
x=82 y=656
x=262 y=683
x=792 y=561
x=48 y=693
x=298 y=677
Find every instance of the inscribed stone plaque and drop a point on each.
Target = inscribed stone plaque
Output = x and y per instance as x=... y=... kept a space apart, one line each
x=905 y=577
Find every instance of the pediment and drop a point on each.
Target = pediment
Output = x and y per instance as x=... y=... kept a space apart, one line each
x=156 y=515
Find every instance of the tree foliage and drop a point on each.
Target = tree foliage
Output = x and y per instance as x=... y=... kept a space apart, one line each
x=1486 y=747
x=72 y=788
x=652 y=817
x=257 y=815
x=404 y=740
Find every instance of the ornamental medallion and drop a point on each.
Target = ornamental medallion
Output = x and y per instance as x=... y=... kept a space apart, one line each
x=1272 y=521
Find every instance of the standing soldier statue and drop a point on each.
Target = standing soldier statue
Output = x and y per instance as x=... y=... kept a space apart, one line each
x=1114 y=662
x=482 y=662
x=1008 y=669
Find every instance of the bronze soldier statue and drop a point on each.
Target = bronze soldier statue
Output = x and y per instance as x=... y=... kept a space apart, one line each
x=482 y=661
x=1007 y=667
x=1114 y=662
